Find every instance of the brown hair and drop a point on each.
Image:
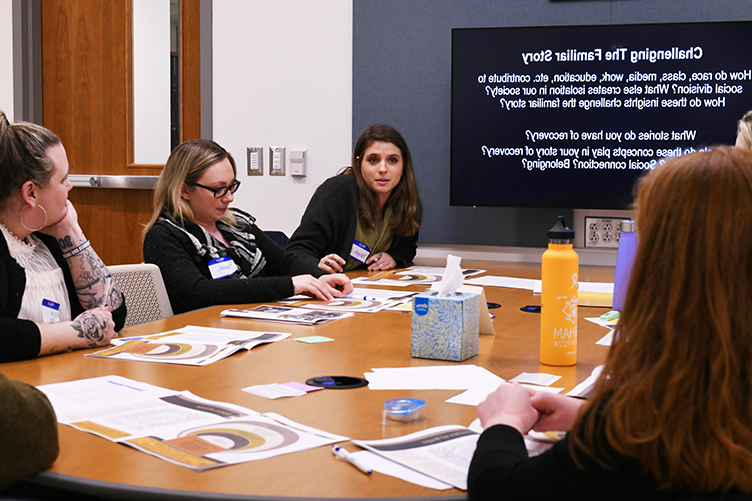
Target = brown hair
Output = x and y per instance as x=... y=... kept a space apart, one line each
x=744 y=129
x=675 y=393
x=23 y=156
x=186 y=164
x=404 y=199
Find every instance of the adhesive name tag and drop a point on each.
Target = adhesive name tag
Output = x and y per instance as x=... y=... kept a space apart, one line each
x=50 y=311
x=222 y=267
x=359 y=251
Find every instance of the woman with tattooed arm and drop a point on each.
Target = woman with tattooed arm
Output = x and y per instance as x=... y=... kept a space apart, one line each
x=55 y=293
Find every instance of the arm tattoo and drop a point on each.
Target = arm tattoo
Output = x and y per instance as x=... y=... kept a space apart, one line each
x=90 y=328
x=65 y=242
x=94 y=284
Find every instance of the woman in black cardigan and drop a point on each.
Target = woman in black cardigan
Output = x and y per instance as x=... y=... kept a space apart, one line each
x=211 y=254
x=55 y=292
x=368 y=216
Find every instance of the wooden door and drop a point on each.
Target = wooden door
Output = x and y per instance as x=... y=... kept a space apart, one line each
x=88 y=100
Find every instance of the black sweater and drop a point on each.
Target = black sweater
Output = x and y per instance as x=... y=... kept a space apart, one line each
x=329 y=222
x=20 y=339
x=501 y=469
x=189 y=282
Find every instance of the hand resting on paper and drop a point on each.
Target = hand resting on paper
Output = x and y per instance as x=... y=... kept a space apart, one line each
x=510 y=405
x=556 y=412
x=326 y=287
x=525 y=409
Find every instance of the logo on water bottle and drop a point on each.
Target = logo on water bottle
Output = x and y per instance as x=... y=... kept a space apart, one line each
x=570 y=309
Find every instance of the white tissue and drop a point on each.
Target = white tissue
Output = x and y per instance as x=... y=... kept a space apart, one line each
x=452 y=278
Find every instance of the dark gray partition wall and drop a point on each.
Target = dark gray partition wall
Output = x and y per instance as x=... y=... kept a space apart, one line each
x=402 y=76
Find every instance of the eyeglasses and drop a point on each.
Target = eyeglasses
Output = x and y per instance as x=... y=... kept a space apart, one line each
x=221 y=192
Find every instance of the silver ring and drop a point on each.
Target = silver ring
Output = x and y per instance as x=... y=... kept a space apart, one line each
x=327 y=262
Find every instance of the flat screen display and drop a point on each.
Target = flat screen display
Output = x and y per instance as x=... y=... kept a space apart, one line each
x=571 y=116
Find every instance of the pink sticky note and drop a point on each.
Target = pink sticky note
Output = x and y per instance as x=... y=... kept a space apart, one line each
x=302 y=387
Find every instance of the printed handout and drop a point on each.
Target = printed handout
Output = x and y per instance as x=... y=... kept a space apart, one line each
x=190 y=345
x=411 y=276
x=442 y=452
x=178 y=426
x=360 y=300
x=287 y=314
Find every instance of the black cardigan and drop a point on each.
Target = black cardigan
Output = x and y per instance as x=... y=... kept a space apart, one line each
x=20 y=339
x=188 y=280
x=329 y=222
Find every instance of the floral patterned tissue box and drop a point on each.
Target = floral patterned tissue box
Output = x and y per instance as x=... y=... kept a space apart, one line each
x=445 y=328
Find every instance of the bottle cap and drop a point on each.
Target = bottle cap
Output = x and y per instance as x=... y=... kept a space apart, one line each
x=628 y=225
x=560 y=231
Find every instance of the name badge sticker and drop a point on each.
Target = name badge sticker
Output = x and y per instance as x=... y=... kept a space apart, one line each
x=359 y=251
x=222 y=267
x=50 y=311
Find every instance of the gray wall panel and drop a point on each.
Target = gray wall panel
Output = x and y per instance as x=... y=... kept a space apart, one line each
x=402 y=76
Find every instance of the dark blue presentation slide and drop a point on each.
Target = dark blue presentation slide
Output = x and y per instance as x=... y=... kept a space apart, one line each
x=572 y=116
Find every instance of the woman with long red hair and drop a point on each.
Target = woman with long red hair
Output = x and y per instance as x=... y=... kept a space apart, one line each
x=671 y=414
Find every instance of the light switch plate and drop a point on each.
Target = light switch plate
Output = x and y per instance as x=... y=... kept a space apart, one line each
x=277 y=160
x=255 y=160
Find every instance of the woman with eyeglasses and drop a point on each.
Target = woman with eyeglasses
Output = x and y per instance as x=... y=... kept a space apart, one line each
x=211 y=254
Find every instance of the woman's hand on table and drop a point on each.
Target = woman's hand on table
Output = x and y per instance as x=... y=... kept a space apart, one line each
x=380 y=261
x=339 y=282
x=509 y=405
x=95 y=327
x=332 y=263
x=557 y=412
x=327 y=287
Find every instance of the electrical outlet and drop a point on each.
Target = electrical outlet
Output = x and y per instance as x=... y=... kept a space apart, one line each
x=602 y=232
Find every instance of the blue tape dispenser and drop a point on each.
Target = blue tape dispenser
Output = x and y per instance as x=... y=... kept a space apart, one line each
x=398 y=411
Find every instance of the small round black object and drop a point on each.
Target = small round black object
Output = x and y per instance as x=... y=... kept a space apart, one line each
x=337 y=382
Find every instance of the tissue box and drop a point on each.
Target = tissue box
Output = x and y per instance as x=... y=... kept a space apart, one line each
x=445 y=328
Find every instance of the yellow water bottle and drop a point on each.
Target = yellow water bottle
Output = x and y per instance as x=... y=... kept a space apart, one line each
x=558 y=340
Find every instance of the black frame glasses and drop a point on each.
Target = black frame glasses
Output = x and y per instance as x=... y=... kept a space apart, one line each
x=221 y=192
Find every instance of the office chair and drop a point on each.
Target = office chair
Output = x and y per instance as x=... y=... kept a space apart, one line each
x=278 y=237
x=145 y=293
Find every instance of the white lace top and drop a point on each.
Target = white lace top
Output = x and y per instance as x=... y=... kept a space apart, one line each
x=44 y=278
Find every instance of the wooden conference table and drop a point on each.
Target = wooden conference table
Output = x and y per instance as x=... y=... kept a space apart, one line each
x=97 y=466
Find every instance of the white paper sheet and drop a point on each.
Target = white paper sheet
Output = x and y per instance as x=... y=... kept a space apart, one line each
x=538 y=378
x=585 y=388
x=475 y=396
x=387 y=467
x=444 y=377
x=509 y=282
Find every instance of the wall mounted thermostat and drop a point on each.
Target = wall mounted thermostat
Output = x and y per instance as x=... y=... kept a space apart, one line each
x=298 y=162
x=276 y=160
x=255 y=161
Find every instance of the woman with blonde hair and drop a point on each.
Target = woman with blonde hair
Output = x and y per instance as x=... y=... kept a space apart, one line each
x=211 y=254
x=368 y=216
x=55 y=293
x=744 y=131
x=670 y=416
